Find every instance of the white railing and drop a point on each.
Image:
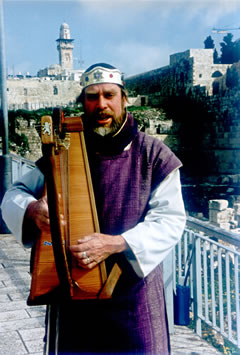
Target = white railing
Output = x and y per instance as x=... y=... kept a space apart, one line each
x=20 y=166
x=214 y=277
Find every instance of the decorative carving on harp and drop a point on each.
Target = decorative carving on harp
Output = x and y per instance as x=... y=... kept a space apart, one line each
x=69 y=191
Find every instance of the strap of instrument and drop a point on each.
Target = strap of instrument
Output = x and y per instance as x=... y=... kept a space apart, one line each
x=57 y=230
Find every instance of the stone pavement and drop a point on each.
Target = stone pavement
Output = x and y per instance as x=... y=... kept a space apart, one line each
x=22 y=327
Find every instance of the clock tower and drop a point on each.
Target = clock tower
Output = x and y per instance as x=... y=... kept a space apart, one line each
x=65 y=47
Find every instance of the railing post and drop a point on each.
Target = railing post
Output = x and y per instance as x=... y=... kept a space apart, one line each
x=236 y=278
x=197 y=286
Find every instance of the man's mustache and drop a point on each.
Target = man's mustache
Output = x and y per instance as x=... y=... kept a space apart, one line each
x=103 y=114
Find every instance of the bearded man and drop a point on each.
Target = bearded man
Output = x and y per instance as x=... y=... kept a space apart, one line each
x=141 y=214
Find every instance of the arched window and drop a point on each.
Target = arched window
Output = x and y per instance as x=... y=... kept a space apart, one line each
x=55 y=90
x=216 y=74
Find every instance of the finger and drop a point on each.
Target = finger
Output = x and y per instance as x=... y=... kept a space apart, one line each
x=81 y=255
x=44 y=223
x=87 y=265
x=44 y=202
x=44 y=198
x=78 y=248
x=85 y=239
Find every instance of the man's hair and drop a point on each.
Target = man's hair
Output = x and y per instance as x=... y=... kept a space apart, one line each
x=81 y=97
x=104 y=65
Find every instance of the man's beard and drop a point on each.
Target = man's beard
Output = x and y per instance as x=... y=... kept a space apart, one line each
x=105 y=131
x=115 y=125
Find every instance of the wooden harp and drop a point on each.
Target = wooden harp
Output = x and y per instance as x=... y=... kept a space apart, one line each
x=70 y=193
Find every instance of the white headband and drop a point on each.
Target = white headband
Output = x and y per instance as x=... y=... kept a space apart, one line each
x=101 y=75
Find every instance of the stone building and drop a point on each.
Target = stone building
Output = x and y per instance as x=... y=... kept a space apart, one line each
x=193 y=68
x=202 y=70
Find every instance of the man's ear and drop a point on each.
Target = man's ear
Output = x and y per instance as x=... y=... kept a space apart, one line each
x=124 y=101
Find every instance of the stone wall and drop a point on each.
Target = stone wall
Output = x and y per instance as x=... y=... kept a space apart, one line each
x=222 y=136
x=34 y=93
x=34 y=140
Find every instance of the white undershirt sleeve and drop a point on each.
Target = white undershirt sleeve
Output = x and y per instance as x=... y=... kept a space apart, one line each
x=16 y=200
x=151 y=240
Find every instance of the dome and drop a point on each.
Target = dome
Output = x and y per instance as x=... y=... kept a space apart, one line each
x=64 y=31
x=64 y=25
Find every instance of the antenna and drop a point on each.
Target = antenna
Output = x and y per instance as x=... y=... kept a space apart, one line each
x=79 y=59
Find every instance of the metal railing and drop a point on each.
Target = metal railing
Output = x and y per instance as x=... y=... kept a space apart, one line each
x=20 y=166
x=214 y=277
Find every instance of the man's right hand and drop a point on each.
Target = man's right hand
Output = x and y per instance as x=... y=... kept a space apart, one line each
x=37 y=212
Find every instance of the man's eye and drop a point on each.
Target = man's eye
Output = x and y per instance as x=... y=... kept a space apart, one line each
x=109 y=95
x=92 y=97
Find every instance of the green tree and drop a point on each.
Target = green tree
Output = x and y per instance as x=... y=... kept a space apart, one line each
x=236 y=51
x=209 y=43
x=232 y=78
x=216 y=59
x=227 y=49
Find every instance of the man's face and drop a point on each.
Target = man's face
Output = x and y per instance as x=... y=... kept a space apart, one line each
x=104 y=108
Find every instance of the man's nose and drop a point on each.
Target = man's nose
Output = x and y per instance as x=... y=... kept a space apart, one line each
x=102 y=102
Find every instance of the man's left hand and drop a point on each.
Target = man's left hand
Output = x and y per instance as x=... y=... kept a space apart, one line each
x=96 y=247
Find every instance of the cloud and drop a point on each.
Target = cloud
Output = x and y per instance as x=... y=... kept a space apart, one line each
x=211 y=11
x=140 y=35
x=125 y=11
x=133 y=57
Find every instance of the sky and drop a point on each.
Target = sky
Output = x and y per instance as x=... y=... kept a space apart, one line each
x=133 y=35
